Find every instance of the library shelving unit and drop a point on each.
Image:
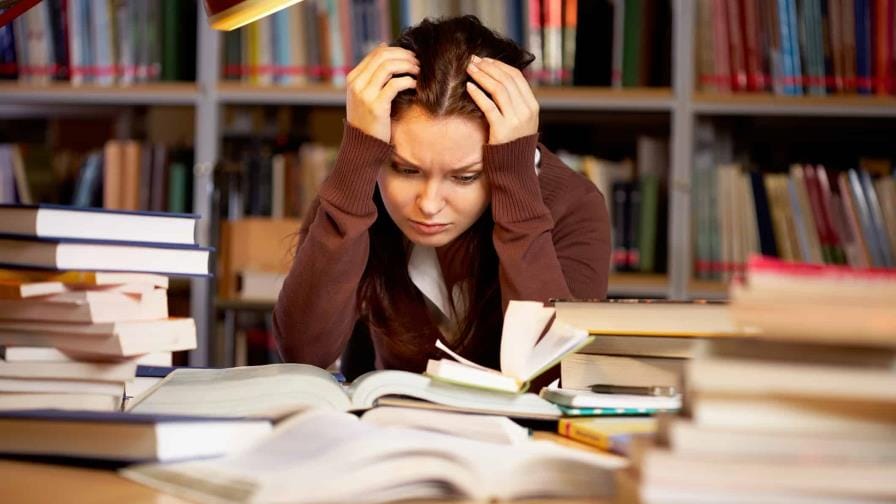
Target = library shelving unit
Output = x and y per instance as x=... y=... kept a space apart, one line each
x=682 y=104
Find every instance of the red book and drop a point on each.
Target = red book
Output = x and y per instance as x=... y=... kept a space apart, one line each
x=737 y=46
x=755 y=76
x=773 y=265
x=721 y=61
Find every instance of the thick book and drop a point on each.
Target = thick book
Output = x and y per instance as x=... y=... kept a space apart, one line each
x=103 y=340
x=59 y=401
x=33 y=354
x=525 y=353
x=816 y=303
x=88 y=307
x=125 y=437
x=688 y=438
x=70 y=254
x=279 y=389
x=668 y=476
x=57 y=221
x=334 y=457
x=95 y=371
x=580 y=371
x=646 y=317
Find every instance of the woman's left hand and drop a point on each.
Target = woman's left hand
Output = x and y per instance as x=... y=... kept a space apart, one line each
x=512 y=110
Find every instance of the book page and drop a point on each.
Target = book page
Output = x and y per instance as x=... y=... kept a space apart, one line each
x=524 y=322
x=367 y=390
x=326 y=456
x=266 y=391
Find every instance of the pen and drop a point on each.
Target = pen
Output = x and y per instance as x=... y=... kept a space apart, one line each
x=655 y=390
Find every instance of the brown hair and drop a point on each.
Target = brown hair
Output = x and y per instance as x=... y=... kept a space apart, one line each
x=444 y=48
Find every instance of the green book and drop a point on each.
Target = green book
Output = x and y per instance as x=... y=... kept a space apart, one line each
x=647 y=230
x=177 y=187
x=170 y=40
x=631 y=43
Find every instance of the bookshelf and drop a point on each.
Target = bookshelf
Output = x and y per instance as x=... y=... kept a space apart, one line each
x=550 y=98
x=682 y=105
x=60 y=93
x=710 y=104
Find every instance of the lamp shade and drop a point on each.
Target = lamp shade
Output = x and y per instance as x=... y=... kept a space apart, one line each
x=231 y=14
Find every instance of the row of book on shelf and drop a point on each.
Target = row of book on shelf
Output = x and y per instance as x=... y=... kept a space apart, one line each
x=818 y=343
x=102 y=43
x=791 y=47
x=84 y=302
x=124 y=175
x=620 y=43
x=806 y=214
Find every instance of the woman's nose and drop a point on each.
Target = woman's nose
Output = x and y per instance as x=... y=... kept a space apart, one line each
x=430 y=200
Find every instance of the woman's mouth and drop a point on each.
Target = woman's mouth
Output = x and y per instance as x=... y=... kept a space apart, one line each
x=429 y=228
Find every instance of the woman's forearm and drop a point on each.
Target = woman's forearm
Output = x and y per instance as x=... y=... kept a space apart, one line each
x=317 y=307
x=528 y=264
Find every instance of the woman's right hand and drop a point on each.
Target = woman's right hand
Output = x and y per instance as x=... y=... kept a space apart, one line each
x=371 y=87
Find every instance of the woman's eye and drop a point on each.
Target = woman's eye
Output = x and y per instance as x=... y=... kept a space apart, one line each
x=404 y=170
x=466 y=179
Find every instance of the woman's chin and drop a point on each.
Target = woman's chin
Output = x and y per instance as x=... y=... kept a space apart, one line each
x=429 y=240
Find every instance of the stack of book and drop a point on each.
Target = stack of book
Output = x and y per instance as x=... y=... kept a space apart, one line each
x=805 y=411
x=638 y=343
x=84 y=301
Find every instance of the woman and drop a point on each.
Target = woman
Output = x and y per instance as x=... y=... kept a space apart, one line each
x=441 y=208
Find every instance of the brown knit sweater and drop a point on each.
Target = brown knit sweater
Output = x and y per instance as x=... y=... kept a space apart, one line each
x=551 y=235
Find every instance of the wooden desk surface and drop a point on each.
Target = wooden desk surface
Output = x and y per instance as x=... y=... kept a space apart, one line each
x=29 y=482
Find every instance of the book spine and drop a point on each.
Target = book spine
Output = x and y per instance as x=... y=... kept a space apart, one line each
x=864 y=62
x=721 y=46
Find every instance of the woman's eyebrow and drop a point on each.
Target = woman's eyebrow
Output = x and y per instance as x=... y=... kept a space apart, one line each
x=412 y=165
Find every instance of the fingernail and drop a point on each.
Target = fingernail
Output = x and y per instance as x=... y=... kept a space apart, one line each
x=472 y=67
x=476 y=59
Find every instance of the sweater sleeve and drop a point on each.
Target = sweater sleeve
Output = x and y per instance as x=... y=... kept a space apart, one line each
x=317 y=307
x=528 y=267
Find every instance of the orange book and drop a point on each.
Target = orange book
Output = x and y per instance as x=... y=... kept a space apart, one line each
x=113 y=160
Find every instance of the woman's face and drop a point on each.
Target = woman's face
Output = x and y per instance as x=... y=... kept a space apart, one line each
x=434 y=188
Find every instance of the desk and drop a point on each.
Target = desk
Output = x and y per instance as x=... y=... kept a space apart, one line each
x=27 y=482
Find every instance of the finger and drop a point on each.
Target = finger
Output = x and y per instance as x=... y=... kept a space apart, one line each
x=522 y=85
x=499 y=92
x=395 y=86
x=360 y=76
x=486 y=105
x=387 y=69
x=501 y=72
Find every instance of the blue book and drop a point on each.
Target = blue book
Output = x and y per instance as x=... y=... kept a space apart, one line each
x=802 y=229
x=863 y=47
x=787 y=51
x=17 y=251
x=863 y=211
x=876 y=219
x=280 y=44
x=124 y=437
x=796 y=61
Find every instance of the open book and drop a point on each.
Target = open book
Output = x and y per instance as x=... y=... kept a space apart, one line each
x=327 y=456
x=277 y=390
x=523 y=355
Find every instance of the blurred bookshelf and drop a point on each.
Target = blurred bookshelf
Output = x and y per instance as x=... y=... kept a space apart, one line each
x=549 y=98
x=63 y=93
x=673 y=104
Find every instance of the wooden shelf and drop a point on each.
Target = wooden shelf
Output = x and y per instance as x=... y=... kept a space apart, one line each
x=174 y=93
x=772 y=105
x=551 y=98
